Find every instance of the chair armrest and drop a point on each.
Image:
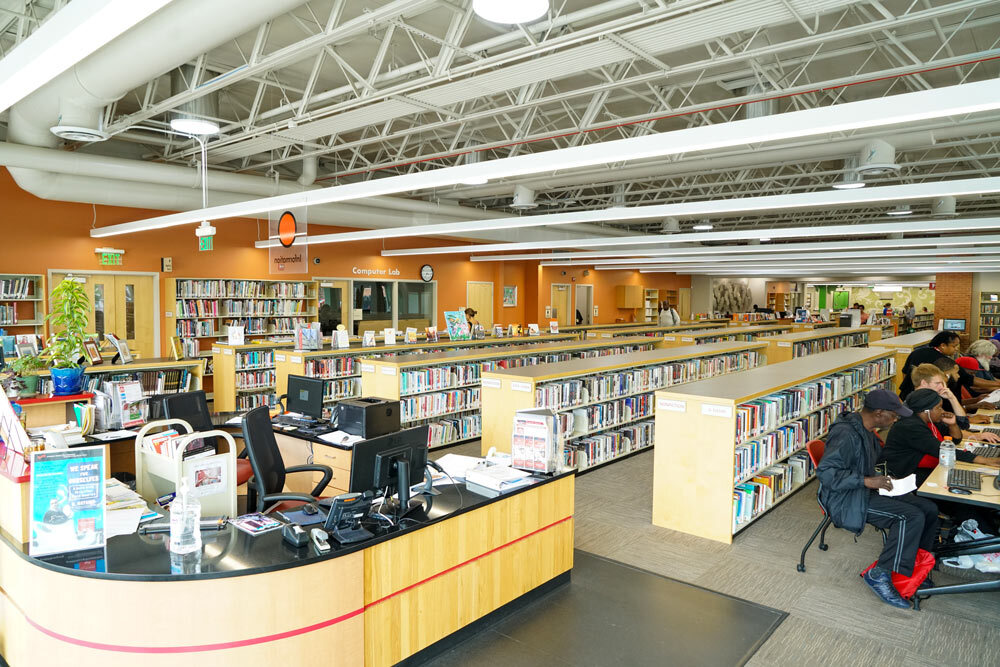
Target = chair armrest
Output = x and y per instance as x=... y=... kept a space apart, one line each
x=315 y=467
x=275 y=497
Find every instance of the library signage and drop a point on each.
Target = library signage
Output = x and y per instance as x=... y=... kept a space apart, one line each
x=292 y=253
x=362 y=271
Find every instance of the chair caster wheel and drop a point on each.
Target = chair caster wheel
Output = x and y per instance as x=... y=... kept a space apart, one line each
x=824 y=547
x=800 y=567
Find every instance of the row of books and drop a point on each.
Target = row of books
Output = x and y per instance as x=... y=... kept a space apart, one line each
x=152 y=382
x=779 y=443
x=618 y=349
x=256 y=379
x=438 y=377
x=596 y=449
x=754 y=317
x=424 y=406
x=266 y=308
x=578 y=391
x=8 y=314
x=524 y=360
x=581 y=421
x=454 y=430
x=338 y=390
x=246 y=402
x=758 y=495
x=197 y=308
x=241 y=289
x=330 y=367
x=988 y=332
x=766 y=413
x=990 y=319
x=826 y=344
x=989 y=308
x=17 y=288
x=254 y=359
x=190 y=328
x=190 y=347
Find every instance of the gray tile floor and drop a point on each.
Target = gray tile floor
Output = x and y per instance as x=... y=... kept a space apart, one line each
x=834 y=619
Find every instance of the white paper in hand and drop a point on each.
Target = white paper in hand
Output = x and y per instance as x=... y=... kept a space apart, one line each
x=901 y=486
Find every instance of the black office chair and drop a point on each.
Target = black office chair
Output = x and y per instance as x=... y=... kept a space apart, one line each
x=269 y=470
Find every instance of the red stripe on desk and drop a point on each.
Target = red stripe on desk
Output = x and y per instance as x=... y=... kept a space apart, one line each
x=221 y=646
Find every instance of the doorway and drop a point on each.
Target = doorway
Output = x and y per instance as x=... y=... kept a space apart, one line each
x=562 y=300
x=585 y=303
x=124 y=304
x=334 y=305
x=684 y=303
x=479 y=297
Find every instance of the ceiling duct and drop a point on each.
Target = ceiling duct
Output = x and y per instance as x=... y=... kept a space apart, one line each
x=943 y=207
x=617 y=195
x=762 y=108
x=670 y=225
x=79 y=123
x=524 y=198
x=877 y=157
x=204 y=107
x=850 y=179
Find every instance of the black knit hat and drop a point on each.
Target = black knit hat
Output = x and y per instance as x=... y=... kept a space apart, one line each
x=922 y=399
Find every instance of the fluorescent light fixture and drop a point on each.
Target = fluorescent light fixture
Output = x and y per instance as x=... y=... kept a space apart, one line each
x=886 y=288
x=67 y=37
x=902 y=209
x=195 y=126
x=510 y=12
x=849 y=183
x=701 y=228
x=832 y=120
x=765 y=239
x=867 y=229
x=820 y=254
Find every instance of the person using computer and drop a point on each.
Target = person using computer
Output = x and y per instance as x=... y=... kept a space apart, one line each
x=944 y=344
x=932 y=376
x=848 y=493
x=970 y=404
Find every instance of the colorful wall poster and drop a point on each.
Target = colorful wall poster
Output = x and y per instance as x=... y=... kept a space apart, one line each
x=67 y=500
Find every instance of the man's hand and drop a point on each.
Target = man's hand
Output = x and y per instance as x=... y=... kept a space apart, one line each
x=945 y=393
x=989 y=461
x=878 y=482
x=982 y=436
x=979 y=419
x=948 y=418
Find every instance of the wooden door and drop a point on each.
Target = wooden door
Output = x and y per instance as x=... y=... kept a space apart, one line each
x=562 y=308
x=121 y=304
x=684 y=303
x=479 y=297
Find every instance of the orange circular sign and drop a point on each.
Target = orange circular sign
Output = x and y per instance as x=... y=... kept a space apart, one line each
x=286 y=229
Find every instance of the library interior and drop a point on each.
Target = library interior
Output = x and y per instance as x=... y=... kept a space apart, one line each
x=521 y=332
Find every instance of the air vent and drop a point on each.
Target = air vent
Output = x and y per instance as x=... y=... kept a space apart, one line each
x=74 y=133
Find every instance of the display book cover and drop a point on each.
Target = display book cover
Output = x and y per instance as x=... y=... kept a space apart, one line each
x=255 y=523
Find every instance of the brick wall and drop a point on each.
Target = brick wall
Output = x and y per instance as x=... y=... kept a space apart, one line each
x=953 y=300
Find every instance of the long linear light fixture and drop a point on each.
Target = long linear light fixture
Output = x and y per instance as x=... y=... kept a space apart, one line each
x=675 y=268
x=711 y=208
x=70 y=35
x=884 y=111
x=570 y=258
x=812 y=273
x=925 y=255
x=875 y=228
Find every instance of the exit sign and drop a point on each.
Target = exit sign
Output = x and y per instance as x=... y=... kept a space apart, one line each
x=111 y=258
x=205 y=242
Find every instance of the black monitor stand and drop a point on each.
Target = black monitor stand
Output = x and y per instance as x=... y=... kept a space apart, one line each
x=399 y=509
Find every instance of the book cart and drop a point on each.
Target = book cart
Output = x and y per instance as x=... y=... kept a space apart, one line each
x=733 y=447
x=744 y=334
x=790 y=346
x=604 y=405
x=443 y=388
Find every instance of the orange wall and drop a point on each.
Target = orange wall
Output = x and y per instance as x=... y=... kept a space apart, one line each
x=40 y=235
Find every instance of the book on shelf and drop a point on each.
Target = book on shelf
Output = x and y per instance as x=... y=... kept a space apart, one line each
x=554 y=326
x=368 y=339
x=533 y=330
x=498 y=331
x=432 y=334
x=410 y=335
x=389 y=336
x=308 y=336
x=536 y=441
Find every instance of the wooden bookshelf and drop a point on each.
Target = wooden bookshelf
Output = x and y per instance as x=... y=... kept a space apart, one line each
x=811 y=326
x=651 y=312
x=507 y=391
x=753 y=318
x=694 y=466
x=702 y=336
x=989 y=314
x=332 y=364
x=458 y=396
x=22 y=303
x=236 y=366
x=788 y=346
x=583 y=329
x=649 y=330
x=903 y=345
x=925 y=321
x=107 y=371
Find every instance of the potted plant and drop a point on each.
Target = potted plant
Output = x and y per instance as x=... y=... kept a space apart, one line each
x=69 y=317
x=27 y=368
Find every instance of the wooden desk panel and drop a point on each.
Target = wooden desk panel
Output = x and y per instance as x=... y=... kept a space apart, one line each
x=936 y=486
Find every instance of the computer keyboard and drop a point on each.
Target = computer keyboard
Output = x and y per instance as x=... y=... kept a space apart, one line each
x=996 y=482
x=991 y=451
x=962 y=478
x=996 y=418
x=994 y=431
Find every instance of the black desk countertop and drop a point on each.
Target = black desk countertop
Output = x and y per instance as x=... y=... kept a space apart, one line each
x=231 y=552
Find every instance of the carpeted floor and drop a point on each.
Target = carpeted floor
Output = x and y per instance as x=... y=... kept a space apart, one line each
x=834 y=619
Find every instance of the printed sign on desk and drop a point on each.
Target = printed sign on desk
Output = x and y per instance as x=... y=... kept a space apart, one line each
x=67 y=500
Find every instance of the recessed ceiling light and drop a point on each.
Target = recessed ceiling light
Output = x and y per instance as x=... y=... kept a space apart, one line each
x=196 y=126
x=510 y=11
x=849 y=183
x=902 y=209
x=702 y=228
x=765 y=239
x=475 y=180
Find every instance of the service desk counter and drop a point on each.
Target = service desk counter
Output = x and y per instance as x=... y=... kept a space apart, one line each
x=258 y=601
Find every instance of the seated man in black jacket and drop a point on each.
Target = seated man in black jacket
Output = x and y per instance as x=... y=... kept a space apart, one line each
x=911 y=438
x=848 y=492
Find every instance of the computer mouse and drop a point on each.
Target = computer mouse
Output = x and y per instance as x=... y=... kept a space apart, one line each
x=309 y=509
x=961 y=492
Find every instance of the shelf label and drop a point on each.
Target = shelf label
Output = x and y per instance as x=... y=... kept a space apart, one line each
x=671 y=405
x=686 y=339
x=783 y=344
x=169 y=313
x=605 y=335
x=520 y=386
x=716 y=410
x=216 y=350
x=295 y=360
x=367 y=368
x=670 y=338
x=491 y=383
x=227 y=351
x=279 y=357
x=388 y=370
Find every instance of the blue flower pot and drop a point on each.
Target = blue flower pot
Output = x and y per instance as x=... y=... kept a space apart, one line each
x=66 y=381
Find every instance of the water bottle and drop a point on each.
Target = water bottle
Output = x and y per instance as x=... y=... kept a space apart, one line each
x=185 y=521
x=946 y=457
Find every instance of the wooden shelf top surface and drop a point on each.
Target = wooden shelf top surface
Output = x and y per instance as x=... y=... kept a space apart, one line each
x=651 y=328
x=140 y=365
x=726 y=331
x=814 y=334
x=768 y=379
x=559 y=369
x=615 y=325
x=356 y=346
x=915 y=339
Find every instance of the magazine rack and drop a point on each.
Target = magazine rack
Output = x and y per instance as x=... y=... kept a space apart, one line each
x=212 y=479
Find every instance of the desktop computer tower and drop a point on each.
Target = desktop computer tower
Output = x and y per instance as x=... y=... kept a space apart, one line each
x=367 y=417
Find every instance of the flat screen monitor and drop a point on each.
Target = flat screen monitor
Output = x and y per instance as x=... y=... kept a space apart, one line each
x=953 y=325
x=374 y=462
x=305 y=396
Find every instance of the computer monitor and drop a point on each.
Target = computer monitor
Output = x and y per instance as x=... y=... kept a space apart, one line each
x=380 y=462
x=953 y=325
x=305 y=396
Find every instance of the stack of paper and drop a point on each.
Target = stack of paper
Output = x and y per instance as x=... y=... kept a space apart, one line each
x=126 y=509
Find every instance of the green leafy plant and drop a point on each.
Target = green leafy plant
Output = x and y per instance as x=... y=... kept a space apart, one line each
x=29 y=364
x=69 y=318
